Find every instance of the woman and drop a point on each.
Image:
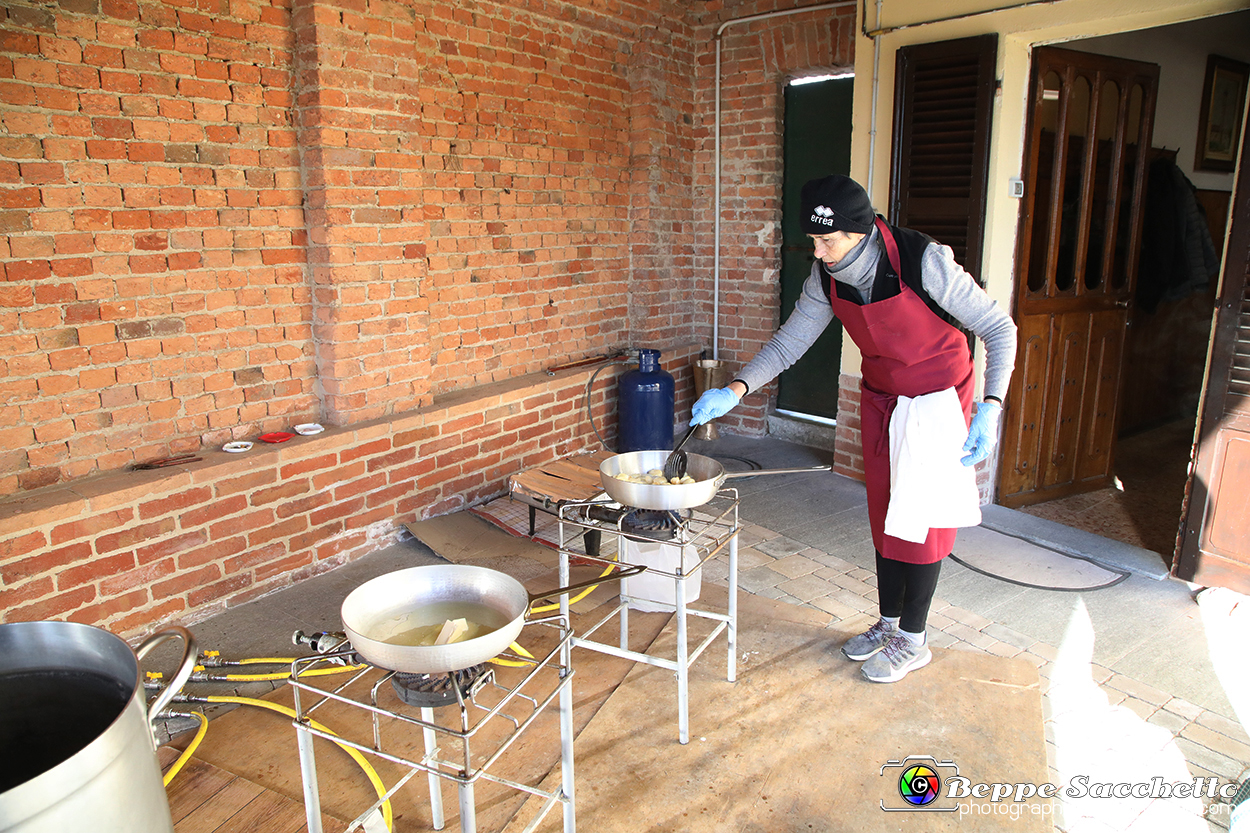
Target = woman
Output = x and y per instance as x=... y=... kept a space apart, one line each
x=898 y=294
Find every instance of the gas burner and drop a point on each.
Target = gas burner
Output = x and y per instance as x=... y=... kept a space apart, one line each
x=657 y=524
x=431 y=690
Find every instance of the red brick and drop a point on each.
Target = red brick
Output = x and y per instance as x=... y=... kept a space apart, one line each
x=184 y=581
x=216 y=551
x=94 y=570
x=170 y=546
x=214 y=511
x=282 y=530
x=174 y=502
x=281 y=493
x=140 y=577
x=245 y=483
x=52 y=608
x=46 y=562
x=395 y=458
x=134 y=536
x=328 y=479
x=283 y=566
x=95 y=614
x=91 y=527
x=366 y=450
x=219 y=590
x=325 y=461
x=11 y=548
x=243 y=523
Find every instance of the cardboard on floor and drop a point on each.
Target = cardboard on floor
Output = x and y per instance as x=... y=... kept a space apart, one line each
x=803 y=742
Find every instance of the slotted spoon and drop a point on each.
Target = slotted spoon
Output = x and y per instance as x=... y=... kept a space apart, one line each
x=675 y=463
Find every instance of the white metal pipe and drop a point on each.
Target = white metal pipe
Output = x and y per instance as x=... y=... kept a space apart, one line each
x=876 y=88
x=717 y=155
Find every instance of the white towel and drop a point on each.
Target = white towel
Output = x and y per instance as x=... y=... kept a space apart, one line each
x=929 y=487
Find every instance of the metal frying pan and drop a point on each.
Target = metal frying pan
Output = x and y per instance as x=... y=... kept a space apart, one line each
x=708 y=474
x=378 y=614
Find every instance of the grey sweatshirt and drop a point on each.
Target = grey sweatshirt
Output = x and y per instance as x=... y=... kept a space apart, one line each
x=952 y=288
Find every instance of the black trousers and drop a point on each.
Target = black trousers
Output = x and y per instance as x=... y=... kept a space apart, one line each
x=906 y=590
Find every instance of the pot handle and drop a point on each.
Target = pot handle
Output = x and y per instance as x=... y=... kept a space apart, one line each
x=630 y=570
x=802 y=470
x=185 y=667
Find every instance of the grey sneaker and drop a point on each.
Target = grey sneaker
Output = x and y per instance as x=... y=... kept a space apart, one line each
x=897 y=658
x=861 y=647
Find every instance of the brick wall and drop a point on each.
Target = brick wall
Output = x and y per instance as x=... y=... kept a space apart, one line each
x=217 y=222
x=388 y=217
x=757 y=59
x=151 y=234
x=129 y=550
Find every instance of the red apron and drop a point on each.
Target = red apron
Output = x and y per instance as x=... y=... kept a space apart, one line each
x=908 y=351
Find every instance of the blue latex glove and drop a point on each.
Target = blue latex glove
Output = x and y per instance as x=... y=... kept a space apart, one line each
x=983 y=433
x=712 y=404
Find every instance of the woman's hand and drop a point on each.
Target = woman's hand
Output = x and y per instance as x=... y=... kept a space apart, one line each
x=712 y=404
x=983 y=433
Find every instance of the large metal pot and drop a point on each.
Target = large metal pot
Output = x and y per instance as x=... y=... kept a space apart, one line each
x=391 y=605
x=709 y=476
x=78 y=748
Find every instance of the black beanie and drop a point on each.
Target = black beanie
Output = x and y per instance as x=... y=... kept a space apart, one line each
x=836 y=203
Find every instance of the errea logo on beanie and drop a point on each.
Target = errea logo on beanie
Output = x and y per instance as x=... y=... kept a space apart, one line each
x=835 y=203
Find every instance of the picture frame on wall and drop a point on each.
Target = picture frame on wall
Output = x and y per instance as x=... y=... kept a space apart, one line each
x=1219 y=122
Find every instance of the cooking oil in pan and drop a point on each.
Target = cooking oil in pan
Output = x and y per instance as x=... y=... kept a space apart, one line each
x=420 y=627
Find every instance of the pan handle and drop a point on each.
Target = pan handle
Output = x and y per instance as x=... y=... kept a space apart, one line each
x=630 y=570
x=804 y=470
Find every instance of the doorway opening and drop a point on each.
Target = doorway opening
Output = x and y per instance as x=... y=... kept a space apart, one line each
x=817 y=143
x=1171 y=312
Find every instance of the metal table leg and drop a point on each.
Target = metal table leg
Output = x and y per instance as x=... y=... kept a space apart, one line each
x=683 y=662
x=436 y=783
x=731 y=662
x=308 y=769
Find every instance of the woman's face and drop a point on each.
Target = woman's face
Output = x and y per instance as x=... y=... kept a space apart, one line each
x=835 y=245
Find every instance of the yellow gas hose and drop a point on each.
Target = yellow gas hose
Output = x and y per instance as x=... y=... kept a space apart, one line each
x=369 y=771
x=190 y=750
x=280 y=675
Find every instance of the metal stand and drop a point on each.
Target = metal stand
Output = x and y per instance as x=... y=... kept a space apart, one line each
x=547 y=680
x=712 y=529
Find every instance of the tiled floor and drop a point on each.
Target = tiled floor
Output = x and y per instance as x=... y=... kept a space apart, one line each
x=1138 y=682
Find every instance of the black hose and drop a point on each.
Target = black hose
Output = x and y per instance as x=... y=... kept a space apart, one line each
x=590 y=417
x=1120 y=575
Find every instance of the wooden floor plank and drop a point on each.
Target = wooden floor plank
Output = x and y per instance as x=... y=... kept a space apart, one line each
x=196 y=784
x=267 y=813
x=212 y=814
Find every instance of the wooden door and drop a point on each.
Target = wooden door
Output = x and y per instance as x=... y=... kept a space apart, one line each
x=1215 y=538
x=1090 y=123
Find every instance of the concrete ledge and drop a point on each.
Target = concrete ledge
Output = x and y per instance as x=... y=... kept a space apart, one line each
x=811 y=434
x=1076 y=542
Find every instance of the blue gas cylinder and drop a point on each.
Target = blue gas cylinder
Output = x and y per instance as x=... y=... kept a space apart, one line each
x=645 y=405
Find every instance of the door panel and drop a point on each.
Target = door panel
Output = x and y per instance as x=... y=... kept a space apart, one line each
x=1065 y=384
x=1215 y=538
x=1018 y=471
x=1102 y=384
x=1089 y=126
